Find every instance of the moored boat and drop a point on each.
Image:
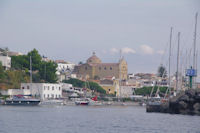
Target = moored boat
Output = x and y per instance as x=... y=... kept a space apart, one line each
x=21 y=100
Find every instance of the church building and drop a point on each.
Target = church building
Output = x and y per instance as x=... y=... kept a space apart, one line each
x=95 y=69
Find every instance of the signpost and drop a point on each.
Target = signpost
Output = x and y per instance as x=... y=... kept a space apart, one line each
x=191 y=73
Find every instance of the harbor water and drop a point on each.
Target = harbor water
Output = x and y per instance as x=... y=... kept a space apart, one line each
x=91 y=119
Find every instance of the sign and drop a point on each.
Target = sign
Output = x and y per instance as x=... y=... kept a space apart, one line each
x=191 y=72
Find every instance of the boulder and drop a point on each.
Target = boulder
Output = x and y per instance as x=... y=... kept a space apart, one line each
x=196 y=106
x=182 y=105
x=184 y=98
x=190 y=92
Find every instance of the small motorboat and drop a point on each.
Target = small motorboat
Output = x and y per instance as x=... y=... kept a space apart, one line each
x=82 y=102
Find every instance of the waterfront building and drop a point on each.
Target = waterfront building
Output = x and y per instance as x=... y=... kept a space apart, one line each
x=110 y=86
x=64 y=70
x=6 y=62
x=12 y=92
x=43 y=90
x=95 y=69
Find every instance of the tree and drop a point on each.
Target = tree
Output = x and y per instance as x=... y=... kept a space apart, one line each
x=91 y=85
x=36 y=59
x=47 y=72
x=2 y=73
x=80 y=63
x=42 y=71
x=162 y=71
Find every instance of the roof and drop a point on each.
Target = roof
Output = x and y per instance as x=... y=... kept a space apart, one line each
x=93 y=59
x=103 y=64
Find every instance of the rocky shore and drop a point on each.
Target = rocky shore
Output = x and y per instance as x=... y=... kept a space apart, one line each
x=187 y=103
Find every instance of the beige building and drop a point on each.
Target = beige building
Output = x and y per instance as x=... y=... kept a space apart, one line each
x=95 y=69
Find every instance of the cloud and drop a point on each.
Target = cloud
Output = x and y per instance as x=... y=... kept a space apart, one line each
x=124 y=50
x=161 y=52
x=146 y=49
x=114 y=50
x=127 y=50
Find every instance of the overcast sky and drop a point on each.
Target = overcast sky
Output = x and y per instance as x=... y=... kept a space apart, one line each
x=72 y=29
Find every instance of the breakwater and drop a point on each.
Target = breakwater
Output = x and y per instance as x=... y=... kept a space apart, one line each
x=187 y=103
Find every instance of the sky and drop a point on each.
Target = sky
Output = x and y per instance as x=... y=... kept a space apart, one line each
x=72 y=29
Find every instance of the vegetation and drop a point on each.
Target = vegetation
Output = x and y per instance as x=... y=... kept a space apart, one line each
x=91 y=85
x=146 y=91
x=162 y=72
x=20 y=66
x=42 y=71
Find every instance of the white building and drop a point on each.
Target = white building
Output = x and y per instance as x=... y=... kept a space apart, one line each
x=64 y=70
x=43 y=90
x=12 y=92
x=65 y=67
x=6 y=61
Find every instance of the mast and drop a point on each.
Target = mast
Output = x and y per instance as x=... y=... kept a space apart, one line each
x=169 y=80
x=30 y=70
x=120 y=74
x=194 y=52
x=31 y=75
x=170 y=43
x=177 y=67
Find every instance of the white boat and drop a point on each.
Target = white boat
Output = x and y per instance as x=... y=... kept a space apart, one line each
x=52 y=102
x=84 y=101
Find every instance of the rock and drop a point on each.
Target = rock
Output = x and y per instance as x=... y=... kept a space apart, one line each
x=196 y=106
x=190 y=92
x=197 y=98
x=182 y=105
x=191 y=101
x=184 y=98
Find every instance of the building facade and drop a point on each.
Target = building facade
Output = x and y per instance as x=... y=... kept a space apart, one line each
x=43 y=90
x=6 y=61
x=95 y=69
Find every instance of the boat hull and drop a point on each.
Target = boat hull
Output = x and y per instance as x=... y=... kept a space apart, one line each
x=22 y=103
x=81 y=103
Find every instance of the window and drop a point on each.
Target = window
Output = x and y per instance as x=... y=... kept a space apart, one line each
x=110 y=68
x=56 y=95
x=48 y=87
x=52 y=88
x=104 y=68
x=52 y=95
x=85 y=68
x=27 y=87
x=99 y=68
x=59 y=88
x=48 y=96
x=44 y=95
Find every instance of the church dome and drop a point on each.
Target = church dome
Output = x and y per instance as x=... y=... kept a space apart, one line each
x=93 y=59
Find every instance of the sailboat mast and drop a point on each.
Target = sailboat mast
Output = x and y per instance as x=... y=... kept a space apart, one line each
x=170 y=43
x=194 y=52
x=177 y=67
x=30 y=70
x=120 y=74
